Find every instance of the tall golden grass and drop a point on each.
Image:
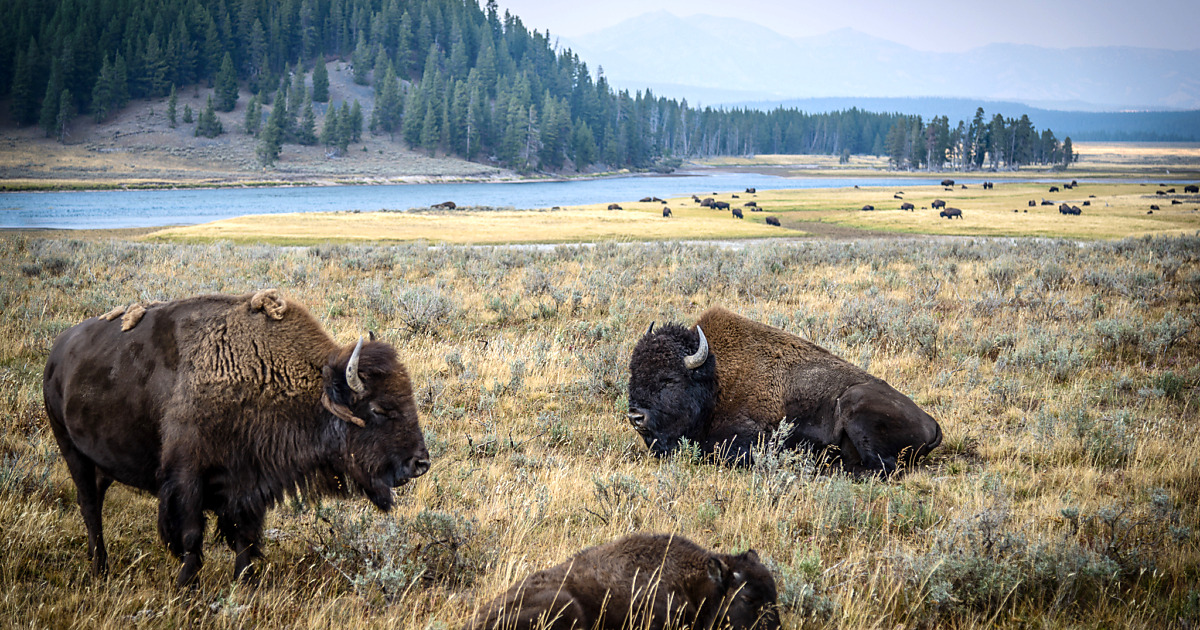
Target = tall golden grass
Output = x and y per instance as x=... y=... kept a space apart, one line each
x=1065 y=376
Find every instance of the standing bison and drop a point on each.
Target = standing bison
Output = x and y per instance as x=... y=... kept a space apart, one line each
x=907 y=206
x=227 y=404
x=773 y=221
x=726 y=384
x=649 y=581
x=937 y=203
x=951 y=213
x=1191 y=188
x=737 y=213
x=666 y=212
x=947 y=182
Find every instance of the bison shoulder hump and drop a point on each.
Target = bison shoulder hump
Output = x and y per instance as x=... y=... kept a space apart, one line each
x=269 y=302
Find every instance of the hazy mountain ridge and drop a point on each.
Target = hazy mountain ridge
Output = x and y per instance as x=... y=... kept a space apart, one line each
x=701 y=53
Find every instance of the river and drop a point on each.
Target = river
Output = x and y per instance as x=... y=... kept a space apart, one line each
x=154 y=208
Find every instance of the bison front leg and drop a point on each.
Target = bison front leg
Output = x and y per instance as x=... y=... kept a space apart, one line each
x=243 y=532
x=181 y=520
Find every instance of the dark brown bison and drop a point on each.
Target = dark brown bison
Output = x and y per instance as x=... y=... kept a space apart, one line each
x=614 y=206
x=773 y=221
x=695 y=198
x=734 y=197
x=1176 y=202
x=988 y=185
x=226 y=404
x=1032 y=203
x=1154 y=206
x=1047 y=202
x=897 y=197
x=868 y=208
x=708 y=202
x=750 y=204
x=445 y=205
x=951 y=213
x=947 y=182
x=1171 y=191
x=645 y=200
x=937 y=203
x=1069 y=209
x=1054 y=189
x=720 y=205
x=751 y=190
x=964 y=186
x=1087 y=203
x=737 y=213
x=648 y=581
x=727 y=384
x=1191 y=188
x=1159 y=192
x=1149 y=212
x=666 y=212
x=907 y=206
x=1074 y=183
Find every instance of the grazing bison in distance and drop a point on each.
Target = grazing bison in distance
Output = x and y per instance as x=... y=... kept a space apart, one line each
x=750 y=204
x=773 y=221
x=445 y=205
x=1191 y=188
x=614 y=206
x=947 y=182
x=645 y=200
x=951 y=213
x=720 y=205
x=708 y=202
x=868 y=208
x=640 y=581
x=1068 y=209
x=726 y=385
x=226 y=403
x=907 y=206
x=1054 y=189
x=666 y=212
x=737 y=213
x=937 y=203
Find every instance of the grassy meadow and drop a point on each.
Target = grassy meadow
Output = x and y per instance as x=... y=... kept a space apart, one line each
x=1065 y=375
x=1115 y=211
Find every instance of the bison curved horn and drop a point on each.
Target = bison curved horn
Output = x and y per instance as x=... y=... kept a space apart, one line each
x=650 y=329
x=352 y=377
x=696 y=360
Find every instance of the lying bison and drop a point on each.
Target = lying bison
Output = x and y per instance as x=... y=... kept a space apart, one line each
x=1032 y=203
x=1069 y=209
x=751 y=190
x=937 y=203
x=750 y=204
x=951 y=213
x=445 y=205
x=227 y=404
x=614 y=206
x=868 y=208
x=640 y=581
x=773 y=221
x=726 y=384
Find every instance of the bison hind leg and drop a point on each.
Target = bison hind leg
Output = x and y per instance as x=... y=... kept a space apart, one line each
x=181 y=524
x=242 y=533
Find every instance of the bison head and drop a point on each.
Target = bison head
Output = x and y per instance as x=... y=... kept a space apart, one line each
x=748 y=590
x=672 y=386
x=368 y=388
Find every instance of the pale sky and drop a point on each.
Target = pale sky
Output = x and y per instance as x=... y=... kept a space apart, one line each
x=934 y=25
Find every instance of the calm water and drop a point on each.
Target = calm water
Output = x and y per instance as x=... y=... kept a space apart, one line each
x=152 y=208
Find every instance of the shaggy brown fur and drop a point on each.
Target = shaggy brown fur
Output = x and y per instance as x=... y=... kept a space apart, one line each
x=754 y=377
x=644 y=581
x=225 y=403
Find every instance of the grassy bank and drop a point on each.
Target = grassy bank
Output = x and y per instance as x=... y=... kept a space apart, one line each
x=1064 y=376
x=1114 y=211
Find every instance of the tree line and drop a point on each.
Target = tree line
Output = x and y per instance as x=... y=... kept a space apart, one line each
x=448 y=76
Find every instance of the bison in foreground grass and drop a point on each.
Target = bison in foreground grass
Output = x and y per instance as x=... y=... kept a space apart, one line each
x=726 y=384
x=641 y=581
x=226 y=404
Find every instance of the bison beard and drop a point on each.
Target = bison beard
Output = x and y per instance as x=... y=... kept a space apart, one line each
x=226 y=404
x=726 y=385
x=640 y=581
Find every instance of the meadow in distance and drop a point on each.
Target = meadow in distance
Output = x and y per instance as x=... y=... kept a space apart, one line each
x=1063 y=373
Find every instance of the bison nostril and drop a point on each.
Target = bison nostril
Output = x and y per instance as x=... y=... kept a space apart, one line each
x=417 y=467
x=636 y=419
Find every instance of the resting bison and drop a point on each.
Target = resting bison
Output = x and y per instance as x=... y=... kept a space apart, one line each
x=1191 y=188
x=937 y=203
x=720 y=205
x=735 y=197
x=1032 y=203
x=988 y=185
x=1176 y=202
x=897 y=196
x=907 y=206
x=750 y=204
x=614 y=206
x=737 y=213
x=1154 y=206
x=1149 y=212
x=773 y=221
x=640 y=581
x=1047 y=202
x=1159 y=192
x=868 y=208
x=666 y=212
x=445 y=205
x=752 y=190
x=726 y=384
x=950 y=213
x=1054 y=189
x=1067 y=209
x=645 y=200
x=226 y=403
x=947 y=182
x=1171 y=191
x=1087 y=203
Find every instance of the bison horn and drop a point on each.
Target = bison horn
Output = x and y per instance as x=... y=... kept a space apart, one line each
x=650 y=329
x=352 y=378
x=696 y=360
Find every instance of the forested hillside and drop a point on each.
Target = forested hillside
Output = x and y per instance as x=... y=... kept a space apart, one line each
x=449 y=76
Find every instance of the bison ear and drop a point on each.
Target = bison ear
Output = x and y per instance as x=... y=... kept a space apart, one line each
x=333 y=398
x=717 y=570
x=370 y=335
x=751 y=555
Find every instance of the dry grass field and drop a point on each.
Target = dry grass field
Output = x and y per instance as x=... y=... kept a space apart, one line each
x=1064 y=373
x=1115 y=211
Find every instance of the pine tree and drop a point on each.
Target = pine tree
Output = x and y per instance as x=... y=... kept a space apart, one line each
x=208 y=125
x=103 y=97
x=343 y=133
x=54 y=87
x=270 y=141
x=583 y=146
x=306 y=132
x=356 y=122
x=66 y=112
x=1068 y=152
x=320 y=89
x=253 y=121
x=187 y=114
x=24 y=106
x=172 y=102
x=227 y=87
x=361 y=59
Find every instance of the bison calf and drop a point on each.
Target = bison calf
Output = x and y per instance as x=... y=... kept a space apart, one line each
x=227 y=404
x=640 y=581
x=728 y=383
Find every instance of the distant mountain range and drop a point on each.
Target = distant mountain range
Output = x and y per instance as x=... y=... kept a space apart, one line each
x=721 y=61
